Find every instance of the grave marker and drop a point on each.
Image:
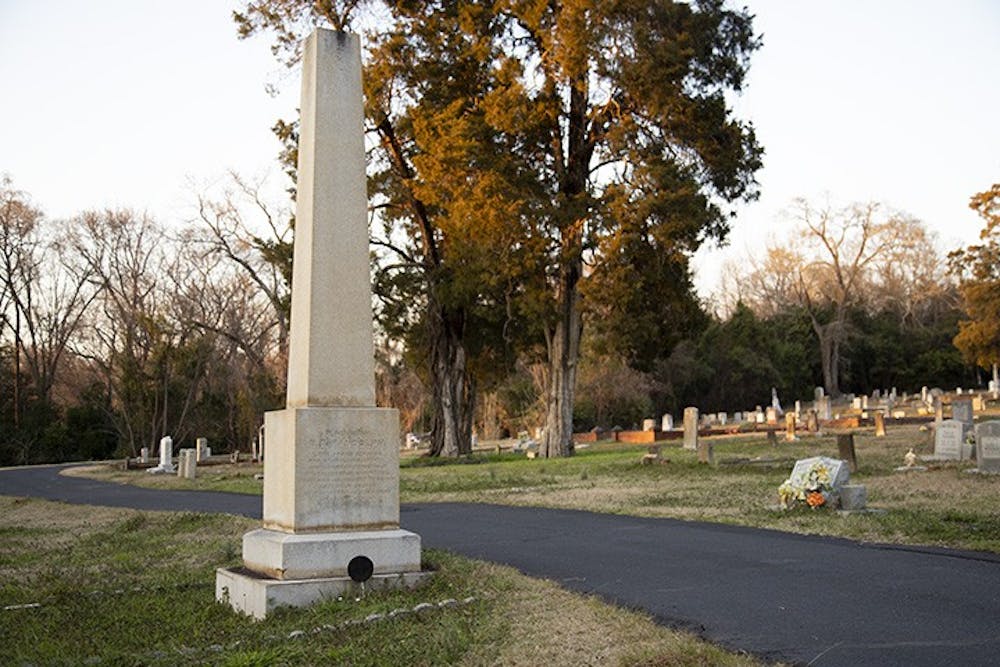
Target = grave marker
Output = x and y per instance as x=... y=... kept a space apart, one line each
x=988 y=446
x=845 y=449
x=879 y=425
x=691 y=428
x=948 y=438
x=331 y=475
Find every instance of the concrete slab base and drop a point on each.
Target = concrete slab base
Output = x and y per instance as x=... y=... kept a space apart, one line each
x=285 y=556
x=251 y=594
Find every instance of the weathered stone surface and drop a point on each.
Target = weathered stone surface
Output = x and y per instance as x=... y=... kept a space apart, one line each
x=948 y=437
x=690 y=428
x=853 y=497
x=988 y=446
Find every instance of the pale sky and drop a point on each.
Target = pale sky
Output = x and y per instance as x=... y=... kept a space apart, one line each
x=126 y=102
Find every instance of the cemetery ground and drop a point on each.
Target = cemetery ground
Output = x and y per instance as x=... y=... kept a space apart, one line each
x=944 y=506
x=94 y=585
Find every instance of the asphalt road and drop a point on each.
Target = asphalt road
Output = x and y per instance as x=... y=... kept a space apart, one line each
x=801 y=599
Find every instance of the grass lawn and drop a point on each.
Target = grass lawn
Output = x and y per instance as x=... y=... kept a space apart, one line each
x=944 y=506
x=91 y=585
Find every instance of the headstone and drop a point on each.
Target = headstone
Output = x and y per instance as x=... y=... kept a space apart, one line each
x=938 y=411
x=839 y=473
x=856 y=404
x=648 y=424
x=961 y=410
x=790 y=427
x=958 y=391
x=818 y=393
x=667 y=423
x=988 y=446
x=144 y=455
x=853 y=497
x=823 y=408
x=798 y=409
x=845 y=449
x=202 y=451
x=948 y=438
x=772 y=415
x=812 y=422
x=705 y=453
x=738 y=417
x=978 y=405
x=691 y=428
x=879 y=425
x=187 y=463
x=898 y=414
x=758 y=416
x=331 y=475
x=775 y=403
x=722 y=418
x=923 y=393
x=166 y=465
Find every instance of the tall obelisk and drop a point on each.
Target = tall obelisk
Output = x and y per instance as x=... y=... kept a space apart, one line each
x=331 y=475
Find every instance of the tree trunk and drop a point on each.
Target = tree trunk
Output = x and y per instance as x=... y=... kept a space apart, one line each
x=451 y=385
x=564 y=352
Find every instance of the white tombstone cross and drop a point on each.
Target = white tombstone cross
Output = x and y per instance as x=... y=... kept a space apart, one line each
x=331 y=474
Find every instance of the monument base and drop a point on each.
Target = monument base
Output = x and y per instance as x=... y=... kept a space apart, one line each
x=285 y=556
x=251 y=594
x=299 y=569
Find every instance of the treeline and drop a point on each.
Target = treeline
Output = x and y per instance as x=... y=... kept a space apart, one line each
x=117 y=330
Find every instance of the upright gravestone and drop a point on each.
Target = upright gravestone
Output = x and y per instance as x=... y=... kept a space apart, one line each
x=690 y=428
x=948 y=437
x=771 y=415
x=166 y=457
x=823 y=408
x=789 y=427
x=331 y=475
x=648 y=424
x=988 y=446
x=667 y=423
x=938 y=411
x=961 y=410
x=879 y=425
x=846 y=451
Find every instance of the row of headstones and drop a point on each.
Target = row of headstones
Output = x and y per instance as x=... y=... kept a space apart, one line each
x=823 y=409
x=951 y=443
x=187 y=458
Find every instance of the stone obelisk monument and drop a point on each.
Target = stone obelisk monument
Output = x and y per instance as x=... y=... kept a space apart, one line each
x=331 y=475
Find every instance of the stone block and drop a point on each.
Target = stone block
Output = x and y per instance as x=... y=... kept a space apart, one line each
x=331 y=469
x=282 y=555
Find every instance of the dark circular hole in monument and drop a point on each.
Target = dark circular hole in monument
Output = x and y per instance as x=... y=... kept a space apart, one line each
x=360 y=568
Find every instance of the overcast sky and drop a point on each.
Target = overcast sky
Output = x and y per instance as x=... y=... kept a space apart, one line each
x=126 y=102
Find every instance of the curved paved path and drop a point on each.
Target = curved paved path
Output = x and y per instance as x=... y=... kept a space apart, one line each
x=809 y=600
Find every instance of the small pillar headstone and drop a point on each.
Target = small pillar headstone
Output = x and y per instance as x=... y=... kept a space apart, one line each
x=879 y=425
x=691 y=428
x=923 y=393
x=705 y=453
x=823 y=411
x=144 y=455
x=798 y=409
x=845 y=449
x=771 y=415
x=790 y=427
x=202 y=452
x=812 y=421
x=938 y=411
x=187 y=463
x=667 y=423
x=166 y=464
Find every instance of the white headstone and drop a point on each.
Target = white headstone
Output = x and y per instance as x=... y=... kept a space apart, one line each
x=667 y=423
x=723 y=418
x=818 y=393
x=988 y=446
x=839 y=472
x=648 y=424
x=331 y=474
x=166 y=457
x=144 y=455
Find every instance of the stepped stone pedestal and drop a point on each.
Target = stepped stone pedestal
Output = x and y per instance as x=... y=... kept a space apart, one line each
x=331 y=475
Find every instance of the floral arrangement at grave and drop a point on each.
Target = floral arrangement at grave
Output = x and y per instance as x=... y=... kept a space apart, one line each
x=812 y=487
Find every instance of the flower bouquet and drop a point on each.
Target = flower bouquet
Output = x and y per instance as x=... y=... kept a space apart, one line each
x=812 y=487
